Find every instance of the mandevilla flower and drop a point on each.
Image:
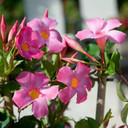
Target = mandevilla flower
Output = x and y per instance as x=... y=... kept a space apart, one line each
x=28 y=44
x=34 y=92
x=101 y=31
x=76 y=81
x=48 y=34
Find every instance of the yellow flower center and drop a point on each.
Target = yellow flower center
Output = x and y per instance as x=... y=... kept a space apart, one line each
x=74 y=83
x=45 y=35
x=25 y=47
x=34 y=94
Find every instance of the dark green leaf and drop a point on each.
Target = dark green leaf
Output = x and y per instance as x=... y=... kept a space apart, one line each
x=4 y=119
x=116 y=59
x=111 y=68
x=120 y=93
x=92 y=123
x=124 y=114
x=47 y=68
x=92 y=49
x=109 y=46
x=82 y=124
x=28 y=122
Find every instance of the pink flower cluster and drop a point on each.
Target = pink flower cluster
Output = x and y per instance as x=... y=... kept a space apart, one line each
x=34 y=90
x=32 y=38
x=35 y=35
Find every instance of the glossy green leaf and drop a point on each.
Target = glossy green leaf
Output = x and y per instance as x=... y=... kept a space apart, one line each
x=124 y=114
x=47 y=68
x=82 y=124
x=55 y=60
x=92 y=123
x=120 y=93
x=109 y=46
x=116 y=59
x=111 y=68
x=92 y=49
x=28 y=122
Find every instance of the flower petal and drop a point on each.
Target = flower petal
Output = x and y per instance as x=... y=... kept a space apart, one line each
x=40 y=108
x=54 y=45
x=81 y=95
x=50 y=23
x=36 y=53
x=25 y=79
x=111 y=24
x=41 y=79
x=95 y=24
x=50 y=92
x=66 y=94
x=22 y=98
x=86 y=82
x=36 y=24
x=65 y=75
x=84 y=34
x=116 y=36
x=81 y=69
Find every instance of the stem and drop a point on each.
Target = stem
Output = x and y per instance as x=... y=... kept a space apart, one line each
x=101 y=98
x=8 y=102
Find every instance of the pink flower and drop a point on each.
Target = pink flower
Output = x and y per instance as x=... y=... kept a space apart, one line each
x=28 y=44
x=98 y=29
x=76 y=82
x=48 y=34
x=34 y=92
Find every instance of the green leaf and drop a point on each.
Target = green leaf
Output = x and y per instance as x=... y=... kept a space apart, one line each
x=120 y=93
x=106 y=58
x=124 y=113
x=4 y=119
x=47 y=68
x=107 y=117
x=109 y=46
x=55 y=60
x=92 y=49
x=82 y=124
x=111 y=68
x=92 y=123
x=28 y=122
x=116 y=59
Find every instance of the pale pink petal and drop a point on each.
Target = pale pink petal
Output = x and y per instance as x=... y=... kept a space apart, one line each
x=66 y=94
x=65 y=75
x=81 y=95
x=50 y=23
x=84 y=34
x=36 y=24
x=40 y=42
x=54 y=45
x=81 y=69
x=95 y=24
x=40 y=108
x=55 y=34
x=38 y=54
x=50 y=92
x=22 y=98
x=25 y=79
x=41 y=79
x=116 y=36
x=86 y=82
x=111 y=24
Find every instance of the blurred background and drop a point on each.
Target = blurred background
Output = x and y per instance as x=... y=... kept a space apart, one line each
x=71 y=16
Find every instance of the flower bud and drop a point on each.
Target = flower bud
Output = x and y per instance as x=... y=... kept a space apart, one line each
x=3 y=28
x=46 y=13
